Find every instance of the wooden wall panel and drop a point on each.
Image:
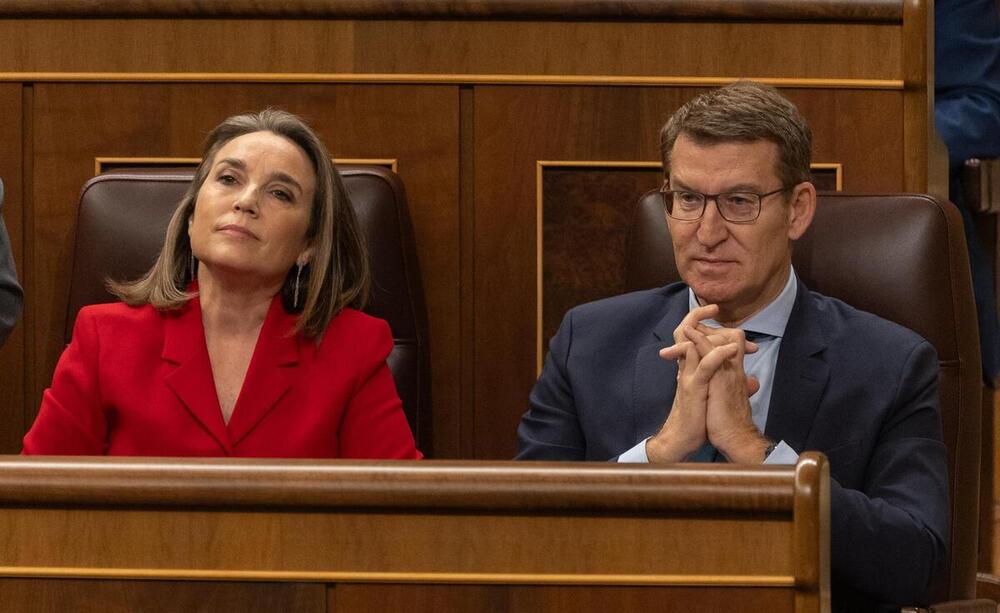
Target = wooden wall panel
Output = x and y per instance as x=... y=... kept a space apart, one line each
x=586 y=213
x=359 y=598
x=652 y=49
x=173 y=119
x=117 y=596
x=175 y=45
x=849 y=51
x=12 y=353
x=516 y=127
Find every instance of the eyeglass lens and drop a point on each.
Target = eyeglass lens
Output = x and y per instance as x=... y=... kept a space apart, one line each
x=734 y=206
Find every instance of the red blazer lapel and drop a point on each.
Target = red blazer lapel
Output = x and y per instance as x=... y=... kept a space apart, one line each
x=271 y=372
x=192 y=382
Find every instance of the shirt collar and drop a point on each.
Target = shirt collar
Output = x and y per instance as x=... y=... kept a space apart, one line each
x=770 y=320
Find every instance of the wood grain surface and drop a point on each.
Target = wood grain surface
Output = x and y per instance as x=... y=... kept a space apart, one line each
x=537 y=531
x=757 y=10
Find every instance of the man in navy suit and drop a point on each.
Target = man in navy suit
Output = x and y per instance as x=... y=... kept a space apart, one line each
x=741 y=362
x=11 y=295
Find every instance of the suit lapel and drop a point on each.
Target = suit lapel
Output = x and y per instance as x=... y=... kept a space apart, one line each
x=191 y=380
x=270 y=374
x=655 y=379
x=800 y=375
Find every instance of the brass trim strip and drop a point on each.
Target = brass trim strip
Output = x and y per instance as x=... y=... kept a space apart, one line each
x=540 y=167
x=101 y=161
x=391 y=163
x=835 y=166
x=400 y=577
x=443 y=79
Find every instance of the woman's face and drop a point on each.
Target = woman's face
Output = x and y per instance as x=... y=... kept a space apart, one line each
x=253 y=210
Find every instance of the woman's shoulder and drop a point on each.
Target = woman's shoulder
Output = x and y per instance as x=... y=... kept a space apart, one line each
x=357 y=327
x=358 y=319
x=117 y=315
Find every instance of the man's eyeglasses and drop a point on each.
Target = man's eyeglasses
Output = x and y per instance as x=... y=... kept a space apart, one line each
x=735 y=207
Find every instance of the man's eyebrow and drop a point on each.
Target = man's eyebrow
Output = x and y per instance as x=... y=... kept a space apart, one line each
x=739 y=187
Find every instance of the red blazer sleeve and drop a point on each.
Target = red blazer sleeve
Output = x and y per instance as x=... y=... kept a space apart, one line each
x=71 y=420
x=374 y=425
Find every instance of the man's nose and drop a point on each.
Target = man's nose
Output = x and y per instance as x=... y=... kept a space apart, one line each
x=712 y=227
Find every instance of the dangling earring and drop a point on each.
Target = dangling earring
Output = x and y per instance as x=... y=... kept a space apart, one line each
x=191 y=264
x=295 y=296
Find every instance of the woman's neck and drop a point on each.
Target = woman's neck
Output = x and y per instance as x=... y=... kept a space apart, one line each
x=233 y=305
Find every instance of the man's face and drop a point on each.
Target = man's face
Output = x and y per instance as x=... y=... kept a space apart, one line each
x=740 y=267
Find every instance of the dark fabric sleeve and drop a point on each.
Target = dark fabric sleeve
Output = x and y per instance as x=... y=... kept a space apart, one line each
x=550 y=429
x=11 y=296
x=888 y=539
x=967 y=77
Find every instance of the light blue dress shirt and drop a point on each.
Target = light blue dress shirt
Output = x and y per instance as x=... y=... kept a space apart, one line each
x=771 y=320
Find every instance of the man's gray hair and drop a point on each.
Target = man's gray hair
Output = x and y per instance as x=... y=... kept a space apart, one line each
x=744 y=111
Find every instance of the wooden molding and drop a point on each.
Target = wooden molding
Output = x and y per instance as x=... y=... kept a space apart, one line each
x=403 y=577
x=869 y=11
x=442 y=79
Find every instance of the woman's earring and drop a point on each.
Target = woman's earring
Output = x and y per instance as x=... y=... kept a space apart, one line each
x=191 y=264
x=295 y=296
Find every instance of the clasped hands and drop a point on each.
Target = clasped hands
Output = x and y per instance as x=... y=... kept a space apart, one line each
x=712 y=399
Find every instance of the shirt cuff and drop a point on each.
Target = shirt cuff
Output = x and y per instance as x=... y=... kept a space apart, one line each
x=636 y=455
x=782 y=454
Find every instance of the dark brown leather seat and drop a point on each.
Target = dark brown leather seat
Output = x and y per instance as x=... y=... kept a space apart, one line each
x=123 y=218
x=901 y=257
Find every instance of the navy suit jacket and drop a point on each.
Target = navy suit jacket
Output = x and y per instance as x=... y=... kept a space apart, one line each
x=11 y=295
x=858 y=388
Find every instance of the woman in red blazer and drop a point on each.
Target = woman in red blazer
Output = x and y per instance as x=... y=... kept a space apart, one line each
x=243 y=338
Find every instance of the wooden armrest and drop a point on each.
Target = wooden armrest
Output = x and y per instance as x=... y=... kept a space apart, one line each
x=981 y=185
x=988 y=586
x=965 y=606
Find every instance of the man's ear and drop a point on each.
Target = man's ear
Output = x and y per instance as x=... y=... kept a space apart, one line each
x=801 y=209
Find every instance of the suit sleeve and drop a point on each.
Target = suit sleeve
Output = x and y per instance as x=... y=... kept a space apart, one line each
x=967 y=76
x=11 y=296
x=374 y=425
x=889 y=539
x=550 y=429
x=71 y=420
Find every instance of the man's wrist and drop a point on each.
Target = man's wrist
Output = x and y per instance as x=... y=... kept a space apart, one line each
x=749 y=448
x=663 y=450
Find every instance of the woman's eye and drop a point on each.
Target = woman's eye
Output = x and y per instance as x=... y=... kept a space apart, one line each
x=227 y=179
x=281 y=194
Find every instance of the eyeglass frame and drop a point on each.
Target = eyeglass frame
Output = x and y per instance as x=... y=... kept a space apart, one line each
x=664 y=190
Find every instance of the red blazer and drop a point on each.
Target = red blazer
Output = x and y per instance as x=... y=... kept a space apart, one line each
x=137 y=381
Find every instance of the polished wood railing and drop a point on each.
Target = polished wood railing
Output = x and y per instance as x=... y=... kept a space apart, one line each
x=755 y=538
